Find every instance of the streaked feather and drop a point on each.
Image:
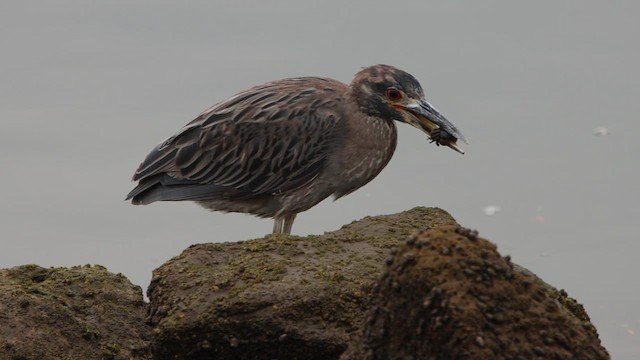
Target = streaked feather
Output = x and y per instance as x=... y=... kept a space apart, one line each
x=269 y=139
x=280 y=148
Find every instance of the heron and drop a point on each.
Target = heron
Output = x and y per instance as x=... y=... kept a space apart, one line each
x=279 y=148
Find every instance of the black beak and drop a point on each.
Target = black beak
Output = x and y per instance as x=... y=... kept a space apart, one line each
x=429 y=119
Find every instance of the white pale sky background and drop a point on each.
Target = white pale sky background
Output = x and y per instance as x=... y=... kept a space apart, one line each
x=88 y=88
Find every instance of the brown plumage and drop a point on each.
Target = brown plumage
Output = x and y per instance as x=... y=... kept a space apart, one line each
x=280 y=148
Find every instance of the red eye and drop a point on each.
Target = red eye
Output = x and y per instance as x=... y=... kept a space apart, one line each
x=393 y=93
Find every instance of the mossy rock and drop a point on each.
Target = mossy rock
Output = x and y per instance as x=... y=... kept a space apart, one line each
x=448 y=294
x=82 y=312
x=283 y=297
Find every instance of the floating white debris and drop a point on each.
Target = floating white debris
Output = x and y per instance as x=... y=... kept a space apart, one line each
x=539 y=218
x=630 y=330
x=491 y=210
x=600 y=131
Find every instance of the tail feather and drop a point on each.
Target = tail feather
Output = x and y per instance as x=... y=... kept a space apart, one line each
x=165 y=188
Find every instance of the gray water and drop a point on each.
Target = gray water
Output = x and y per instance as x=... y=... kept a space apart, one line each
x=546 y=92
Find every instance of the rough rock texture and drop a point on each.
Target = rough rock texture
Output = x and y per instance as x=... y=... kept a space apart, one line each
x=280 y=297
x=444 y=294
x=71 y=313
x=449 y=295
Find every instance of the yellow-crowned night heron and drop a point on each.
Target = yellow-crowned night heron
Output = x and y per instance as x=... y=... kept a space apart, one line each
x=280 y=148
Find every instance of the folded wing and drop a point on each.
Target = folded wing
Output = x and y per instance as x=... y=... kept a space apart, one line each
x=270 y=139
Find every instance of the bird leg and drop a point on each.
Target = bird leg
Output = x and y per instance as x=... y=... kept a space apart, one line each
x=283 y=224
x=288 y=223
x=277 y=225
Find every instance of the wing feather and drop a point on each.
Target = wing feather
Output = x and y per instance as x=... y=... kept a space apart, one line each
x=270 y=139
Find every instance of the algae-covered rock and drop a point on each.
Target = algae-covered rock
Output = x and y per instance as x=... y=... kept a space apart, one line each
x=279 y=297
x=448 y=294
x=83 y=312
x=443 y=294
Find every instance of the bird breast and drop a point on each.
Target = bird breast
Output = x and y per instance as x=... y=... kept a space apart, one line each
x=368 y=146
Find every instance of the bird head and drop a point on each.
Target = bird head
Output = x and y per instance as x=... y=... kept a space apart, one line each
x=390 y=93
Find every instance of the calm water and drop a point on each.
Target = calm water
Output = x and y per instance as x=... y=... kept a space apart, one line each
x=88 y=89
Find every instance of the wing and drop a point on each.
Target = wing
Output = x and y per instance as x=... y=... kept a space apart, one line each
x=270 y=139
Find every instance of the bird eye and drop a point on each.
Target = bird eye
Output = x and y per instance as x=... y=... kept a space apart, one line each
x=393 y=93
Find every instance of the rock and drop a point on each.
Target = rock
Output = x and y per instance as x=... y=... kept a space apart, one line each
x=448 y=294
x=280 y=297
x=375 y=289
x=71 y=313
